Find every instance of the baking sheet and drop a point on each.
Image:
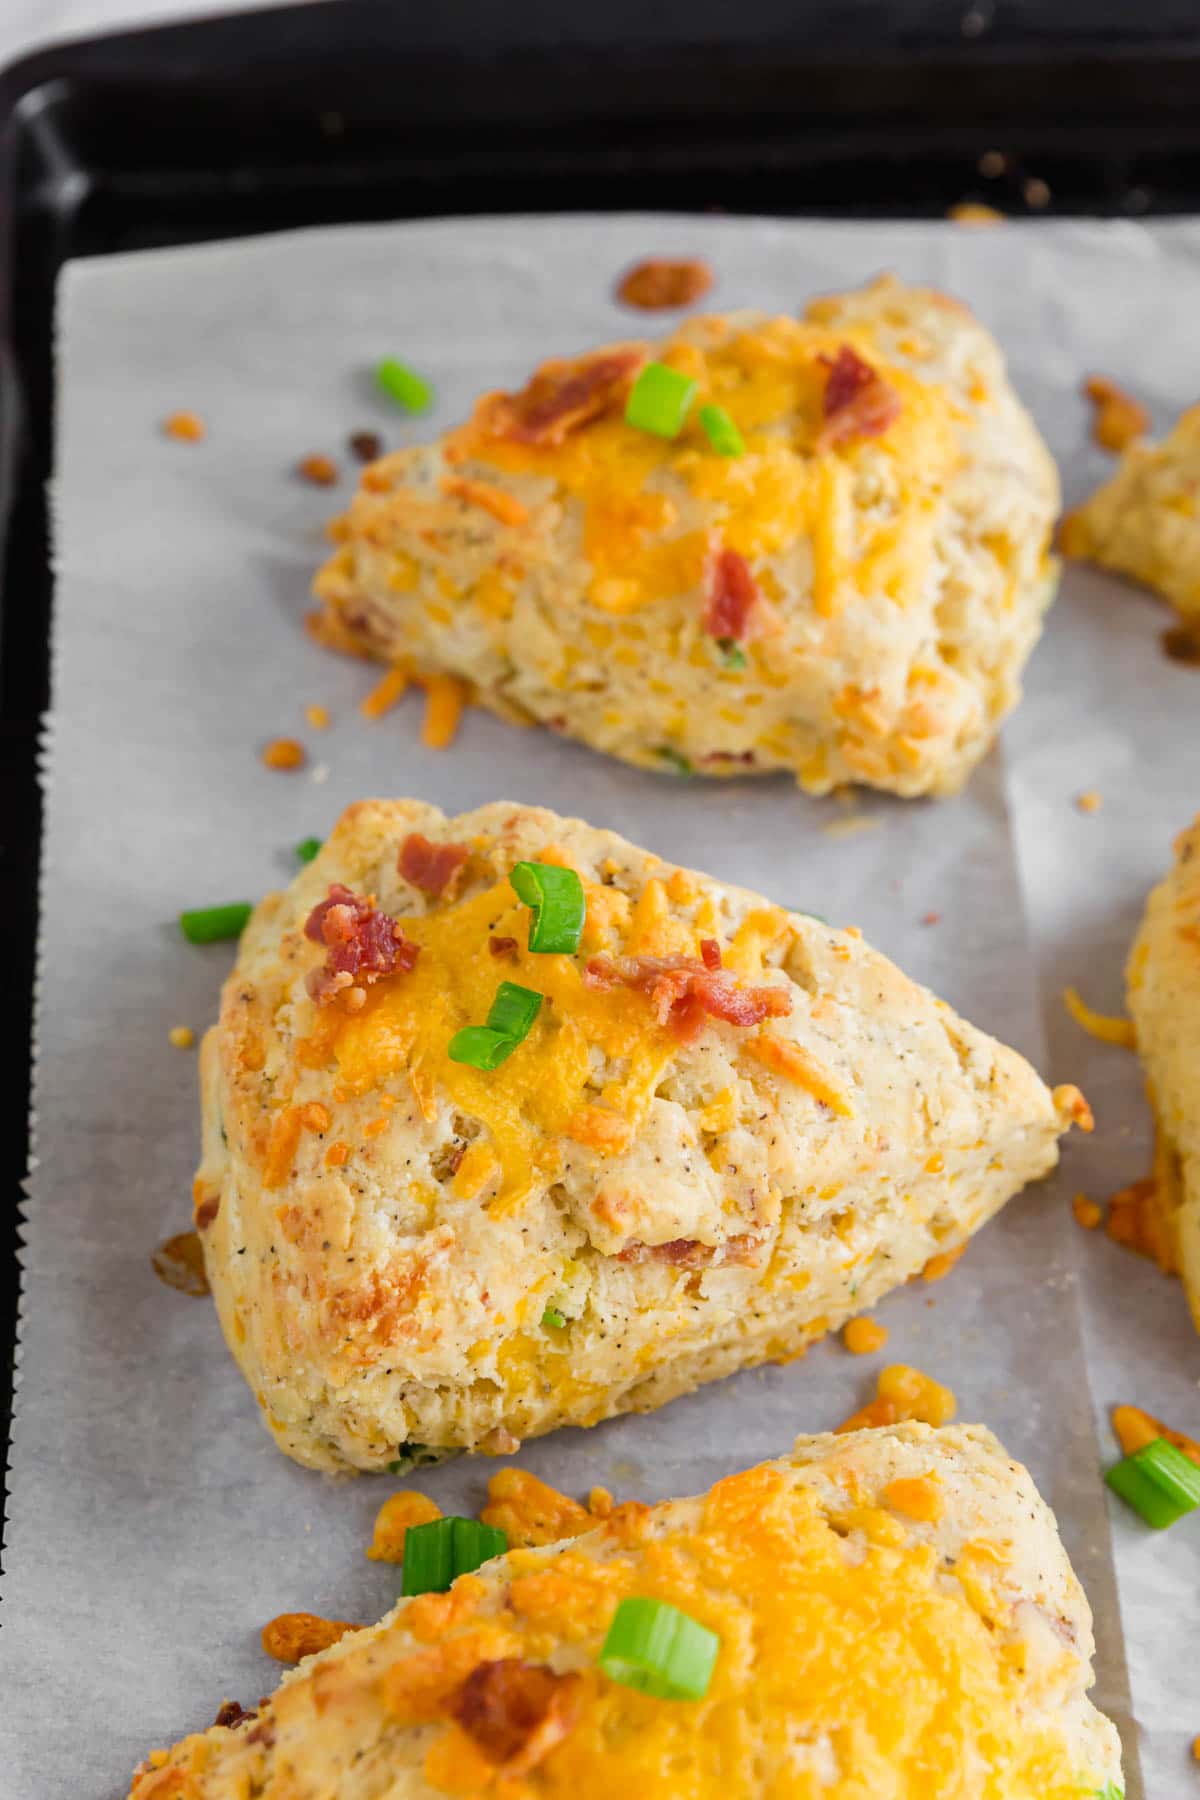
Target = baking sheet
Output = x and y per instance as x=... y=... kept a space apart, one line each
x=153 y=1527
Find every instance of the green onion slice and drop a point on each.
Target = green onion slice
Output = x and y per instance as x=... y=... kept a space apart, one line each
x=553 y=1318
x=213 y=924
x=732 y=654
x=559 y=907
x=480 y=1047
x=307 y=849
x=659 y=1650
x=437 y=1553
x=513 y=1010
x=404 y=385
x=674 y=759
x=721 y=431
x=1158 y=1481
x=660 y=400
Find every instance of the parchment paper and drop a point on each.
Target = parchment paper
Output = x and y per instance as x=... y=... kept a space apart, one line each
x=153 y=1527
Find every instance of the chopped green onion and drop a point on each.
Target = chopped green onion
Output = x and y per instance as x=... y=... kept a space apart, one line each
x=659 y=400
x=212 y=924
x=732 y=654
x=553 y=1318
x=674 y=759
x=513 y=1010
x=419 y=1456
x=480 y=1047
x=1110 y=1791
x=307 y=849
x=559 y=906
x=404 y=385
x=721 y=431
x=437 y=1553
x=1158 y=1481
x=659 y=1650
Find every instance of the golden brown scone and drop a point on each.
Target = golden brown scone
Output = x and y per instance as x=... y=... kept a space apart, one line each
x=1164 y=997
x=1145 y=522
x=694 y=1178
x=896 y=1615
x=851 y=599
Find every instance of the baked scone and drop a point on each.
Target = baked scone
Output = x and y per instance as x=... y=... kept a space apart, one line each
x=1145 y=521
x=896 y=1616
x=852 y=598
x=1163 y=980
x=729 y=1128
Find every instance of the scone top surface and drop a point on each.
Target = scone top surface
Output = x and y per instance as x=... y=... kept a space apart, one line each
x=851 y=598
x=896 y=1615
x=386 y=1229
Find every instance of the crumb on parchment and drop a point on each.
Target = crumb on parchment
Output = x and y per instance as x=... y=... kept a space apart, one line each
x=284 y=753
x=181 y=1036
x=186 y=427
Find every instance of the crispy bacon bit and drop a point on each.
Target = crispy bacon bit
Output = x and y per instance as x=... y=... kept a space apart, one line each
x=562 y=396
x=434 y=868
x=232 y=1714
x=322 y=471
x=515 y=1711
x=688 y=1253
x=735 y=607
x=503 y=946
x=365 y=445
x=206 y=1208
x=290 y=1637
x=661 y=282
x=362 y=944
x=683 y=991
x=858 y=401
x=710 y=953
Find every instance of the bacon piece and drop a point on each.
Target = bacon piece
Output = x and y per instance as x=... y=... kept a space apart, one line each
x=361 y=942
x=561 y=396
x=858 y=402
x=515 y=1711
x=503 y=946
x=710 y=953
x=684 y=991
x=735 y=607
x=431 y=867
x=232 y=1713
x=688 y=1253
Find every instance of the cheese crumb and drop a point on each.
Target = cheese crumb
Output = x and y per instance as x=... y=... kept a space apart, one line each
x=284 y=753
x=972 y=212
x=1089 y=801
x=1087 y=1212
x=862 y=1336
x=182 y=1036
x=317 y=716
x=188 y=427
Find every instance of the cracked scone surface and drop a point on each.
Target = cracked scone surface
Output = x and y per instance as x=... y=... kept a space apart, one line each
x=1164 y=997
x=1145 y=521
x=863 y=1651
x=384 y=1229
x=902 y=572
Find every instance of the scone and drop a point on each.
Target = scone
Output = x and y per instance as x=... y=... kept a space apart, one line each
x=852 y=597
x=1145 y=522
x=896 y=1616
x=728 y=1128
x=1164 y=997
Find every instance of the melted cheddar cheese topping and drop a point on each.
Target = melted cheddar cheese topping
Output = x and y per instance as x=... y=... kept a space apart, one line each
x=847 y=1672
x=641 y=547
x=546 y=1088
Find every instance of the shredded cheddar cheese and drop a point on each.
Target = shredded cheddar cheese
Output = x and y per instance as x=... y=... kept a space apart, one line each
x=1104 y=1026
x=1135 y=1429
x=393 y=1520
x=386 y=692
x=445 y=699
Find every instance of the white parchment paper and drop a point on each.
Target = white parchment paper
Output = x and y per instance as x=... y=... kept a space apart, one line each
x=152 y=1525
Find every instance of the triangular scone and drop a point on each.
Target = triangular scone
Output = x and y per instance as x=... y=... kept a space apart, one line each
x=393 y=1238
x=1164 y=998
x=1145 y=522
x=851 y=597
x=896 y=1615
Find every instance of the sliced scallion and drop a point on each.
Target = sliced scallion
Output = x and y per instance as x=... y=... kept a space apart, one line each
x=721 y=431
x=213 y=924
x=732 y=654
x=513 y=1010
x=307 y=849
x=480 y=1047
x=1158 y=1481
x=655 y=1648
x=553 y=1318
x=404 y=385
x=674 y=759
x=659 y=400
x=558 y=902
x=437 y=1553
